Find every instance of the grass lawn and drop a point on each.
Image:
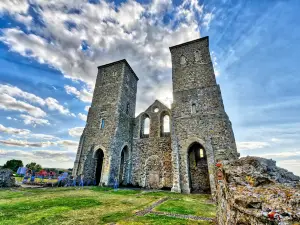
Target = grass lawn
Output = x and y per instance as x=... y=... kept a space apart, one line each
x=94 y=205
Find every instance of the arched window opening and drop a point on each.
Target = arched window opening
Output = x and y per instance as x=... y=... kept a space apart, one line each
x=198 y=169
x=102 y=123
x=127 y=108
x=145 y=126
x=165 y=124
x=182 y=60
x=193 y=108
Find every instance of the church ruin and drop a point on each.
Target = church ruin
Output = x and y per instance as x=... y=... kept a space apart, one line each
x=173 y=148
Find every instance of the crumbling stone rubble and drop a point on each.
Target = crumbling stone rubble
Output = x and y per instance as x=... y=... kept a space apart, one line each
x=6 y=178
x=253 y=190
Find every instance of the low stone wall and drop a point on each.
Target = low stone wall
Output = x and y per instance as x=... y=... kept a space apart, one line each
x=252 y=190
x=6 y=178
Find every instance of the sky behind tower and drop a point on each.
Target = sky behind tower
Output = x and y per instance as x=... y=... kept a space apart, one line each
x=50 y=50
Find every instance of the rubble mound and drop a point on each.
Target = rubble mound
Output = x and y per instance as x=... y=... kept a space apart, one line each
x=262 y=171
x=253 y=190
x=6 y=178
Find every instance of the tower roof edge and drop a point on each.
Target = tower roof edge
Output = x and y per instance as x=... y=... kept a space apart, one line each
x=190 y=42
x=119 y=61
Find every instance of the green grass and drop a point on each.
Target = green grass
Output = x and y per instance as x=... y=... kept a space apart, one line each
x=93 y=205
x=189 y=205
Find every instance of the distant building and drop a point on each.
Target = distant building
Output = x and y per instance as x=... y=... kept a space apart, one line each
x=173 y=148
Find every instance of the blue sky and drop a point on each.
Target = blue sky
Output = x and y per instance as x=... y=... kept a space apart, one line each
x=50 y=50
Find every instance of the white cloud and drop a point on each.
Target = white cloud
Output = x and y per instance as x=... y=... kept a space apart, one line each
x=105 y=32
x=84 y=94
x=14 y=6
x=9 y=118
x=30 y=120
x=86 y=108
x=25 y=133
x=24 y=143
x=10 y=92
x=82 y=116
x=251 y=145
x=53 y=105
x=76 y=131
x=17 y=92
x=9 y=103
x=10 y=130
x=47 y=158
x=41 y=144
x=208 y=17
x=215 y=63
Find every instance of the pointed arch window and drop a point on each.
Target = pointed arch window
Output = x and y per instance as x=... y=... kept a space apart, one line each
x=165 y=124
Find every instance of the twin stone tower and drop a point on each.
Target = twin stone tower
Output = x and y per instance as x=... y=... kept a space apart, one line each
x=161 y=148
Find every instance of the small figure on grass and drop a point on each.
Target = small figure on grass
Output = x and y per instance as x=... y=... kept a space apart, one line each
x=81 y=181
x=74 y=181
x=116 y=184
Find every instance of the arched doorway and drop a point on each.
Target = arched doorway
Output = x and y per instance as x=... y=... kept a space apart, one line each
x=198 y=169
x=124 y=166
x=99 y=155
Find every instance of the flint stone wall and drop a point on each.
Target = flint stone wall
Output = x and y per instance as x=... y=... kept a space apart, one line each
x=254 y=191
x=6 y=178
x=152 y=162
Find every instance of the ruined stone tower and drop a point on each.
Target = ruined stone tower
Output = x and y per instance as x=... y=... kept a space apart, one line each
x=107 y=137
x=173 y=148
x=201 y=130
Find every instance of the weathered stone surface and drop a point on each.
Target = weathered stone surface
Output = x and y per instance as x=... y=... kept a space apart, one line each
x=255 y=191
x=6 y=178
x=158 y=159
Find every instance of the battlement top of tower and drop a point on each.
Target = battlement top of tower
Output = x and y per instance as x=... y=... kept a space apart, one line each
x=119 y=61
x=190 y=42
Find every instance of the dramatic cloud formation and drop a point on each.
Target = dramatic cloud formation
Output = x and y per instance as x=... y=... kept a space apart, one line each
x=76 y=131
x=34 y=121
x=84 y=94
x=89 y=35
x=10 y=130
x=9 y=92
x=25 y=143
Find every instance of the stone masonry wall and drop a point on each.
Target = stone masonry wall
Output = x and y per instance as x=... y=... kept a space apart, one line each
x=152 y=166
x=157 y=159
x=198 y=113
x=253 y=191
x=114 y=102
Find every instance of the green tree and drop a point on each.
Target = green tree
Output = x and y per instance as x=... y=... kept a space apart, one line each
x=13 y=164
x=34 y=166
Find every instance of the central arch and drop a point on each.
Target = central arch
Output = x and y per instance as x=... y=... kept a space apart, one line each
x=198 y=169
x=99 y=156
